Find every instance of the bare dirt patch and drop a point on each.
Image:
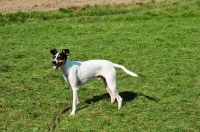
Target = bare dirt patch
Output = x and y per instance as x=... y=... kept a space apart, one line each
x=7 y=6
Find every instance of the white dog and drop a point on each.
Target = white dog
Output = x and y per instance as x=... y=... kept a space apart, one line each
x=78 y=73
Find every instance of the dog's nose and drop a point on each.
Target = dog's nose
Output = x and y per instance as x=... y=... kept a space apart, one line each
x=53 y=62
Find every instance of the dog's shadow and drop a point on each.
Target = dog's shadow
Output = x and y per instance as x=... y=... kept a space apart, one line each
x=127 y=96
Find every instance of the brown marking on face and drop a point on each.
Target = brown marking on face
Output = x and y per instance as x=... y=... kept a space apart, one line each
x=61 y=61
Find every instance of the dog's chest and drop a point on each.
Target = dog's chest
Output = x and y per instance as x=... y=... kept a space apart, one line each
x=65 y=74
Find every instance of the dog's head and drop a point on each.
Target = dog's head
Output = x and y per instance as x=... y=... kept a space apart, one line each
x=59 y=58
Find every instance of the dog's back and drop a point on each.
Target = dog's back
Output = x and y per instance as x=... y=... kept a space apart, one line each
x=93 y=68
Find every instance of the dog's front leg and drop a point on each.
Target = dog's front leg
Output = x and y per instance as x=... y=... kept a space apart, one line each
x=73 y=80
x=75 y=100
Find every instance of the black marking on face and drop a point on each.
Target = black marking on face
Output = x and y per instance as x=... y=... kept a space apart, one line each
x=53 y=52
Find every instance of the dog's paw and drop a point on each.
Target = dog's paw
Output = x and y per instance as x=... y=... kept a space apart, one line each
x=112 y=100
x=72 y=113
x=119 y=103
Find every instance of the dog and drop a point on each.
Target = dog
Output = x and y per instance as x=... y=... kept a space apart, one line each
x=78 y=73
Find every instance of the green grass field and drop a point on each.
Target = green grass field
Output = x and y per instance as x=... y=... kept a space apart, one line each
x=158 y=41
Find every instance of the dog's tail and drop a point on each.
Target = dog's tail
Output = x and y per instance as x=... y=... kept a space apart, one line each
x=127 y=71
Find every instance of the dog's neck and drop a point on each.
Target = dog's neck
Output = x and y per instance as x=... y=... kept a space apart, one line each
x=68 y=65
x=64 y=67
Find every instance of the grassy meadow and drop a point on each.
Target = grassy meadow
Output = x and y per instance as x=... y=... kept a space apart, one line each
x=157 y=41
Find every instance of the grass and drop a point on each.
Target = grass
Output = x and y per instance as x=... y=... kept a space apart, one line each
x=158 y=41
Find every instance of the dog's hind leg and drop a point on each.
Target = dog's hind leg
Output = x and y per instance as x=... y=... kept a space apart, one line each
x=111 y=82
x=108 y=90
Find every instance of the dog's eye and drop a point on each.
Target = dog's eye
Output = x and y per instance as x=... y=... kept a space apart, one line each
x=59 y=57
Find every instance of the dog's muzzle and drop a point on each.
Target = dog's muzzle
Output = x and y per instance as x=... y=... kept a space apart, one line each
x=55 y=65
x=54 y=62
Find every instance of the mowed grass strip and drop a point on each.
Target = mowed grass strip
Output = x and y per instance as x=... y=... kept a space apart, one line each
x=158 y=41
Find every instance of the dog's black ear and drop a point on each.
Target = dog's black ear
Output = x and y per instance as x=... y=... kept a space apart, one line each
x=65 y=51
x=53 y=52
